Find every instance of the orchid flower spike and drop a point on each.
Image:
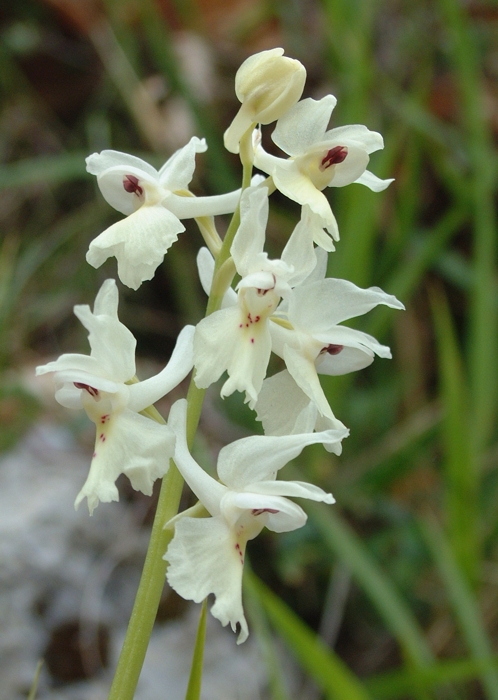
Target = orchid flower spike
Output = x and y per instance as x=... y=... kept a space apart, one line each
x=319 y=158
x=266 y=84
x=126 y=442
x=207 y=555
x=237 y=337
x=153 y=203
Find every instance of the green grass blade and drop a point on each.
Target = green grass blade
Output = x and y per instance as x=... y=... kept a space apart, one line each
x=396 y=684
x=328 y=671
x=342 y=541
x=261 y=629
x=464 y=604
x=46 y=170
x=481 y=183
x=460 y=472
x=34 y=687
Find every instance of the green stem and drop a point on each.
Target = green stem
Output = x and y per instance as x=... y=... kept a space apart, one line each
x=149 y=591
x=154 y=572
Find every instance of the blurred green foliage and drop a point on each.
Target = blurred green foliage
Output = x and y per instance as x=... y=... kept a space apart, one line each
x=412 y=539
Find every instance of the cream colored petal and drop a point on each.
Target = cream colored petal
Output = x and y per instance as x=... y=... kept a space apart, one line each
x=203 y=559
x=138 y=242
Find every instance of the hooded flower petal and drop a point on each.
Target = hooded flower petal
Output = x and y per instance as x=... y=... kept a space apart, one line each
x=318 y=158
x=154 y=202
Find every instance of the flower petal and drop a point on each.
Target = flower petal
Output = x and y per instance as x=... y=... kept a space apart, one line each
x=373 y=182
x=284 y=409
x=280 y=514
x=250 y=237
x=112 y=344
x=111 y=167
x=146 y=393
x=202 y=560
x=138 y=242
x=317 y=306
x=178 y=170
x=303 y=125
x=370 y=141
x=259 y=457
x=304 y=372
x=296 y=489
x=193 y=207
x=225 y=341
x=298 y=187
x=131 y=444
x=299 y=252
x=351 y=167
x=208 y=490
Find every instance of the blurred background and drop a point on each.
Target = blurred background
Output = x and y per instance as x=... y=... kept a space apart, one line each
x=399 y=580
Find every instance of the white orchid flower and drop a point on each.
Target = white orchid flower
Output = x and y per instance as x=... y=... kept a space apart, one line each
x=266 y=84
x=237 y=338
x=319 y=158
x=309 y=338
x=207 y=555
x=153 y=210
x=126 y=442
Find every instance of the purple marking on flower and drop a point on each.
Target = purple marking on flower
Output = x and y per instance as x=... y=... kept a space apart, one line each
x=334 y=156
x=239 y=550
x=259 y=511
x=91 y=389
x=130 y=183
x=333 y=349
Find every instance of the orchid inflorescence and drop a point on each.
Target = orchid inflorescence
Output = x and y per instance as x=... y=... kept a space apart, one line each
x=287 y=306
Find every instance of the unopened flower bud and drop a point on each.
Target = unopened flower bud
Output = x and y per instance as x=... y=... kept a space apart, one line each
x=267 y=84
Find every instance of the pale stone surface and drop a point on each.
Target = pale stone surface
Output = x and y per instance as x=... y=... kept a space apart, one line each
x=59 y=565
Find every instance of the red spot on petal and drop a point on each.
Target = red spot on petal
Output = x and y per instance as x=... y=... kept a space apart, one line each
x=238 y=549
x=94 y=455
x=102 y=437
x=130 y=183
x=91 y=389
x=334 y=156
